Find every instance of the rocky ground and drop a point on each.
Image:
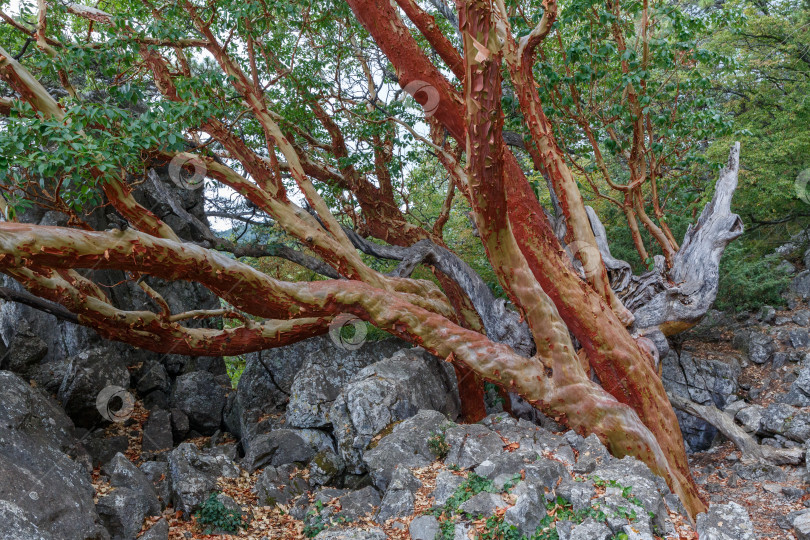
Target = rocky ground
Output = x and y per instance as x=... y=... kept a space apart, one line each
x=102 y=441
x=314 y=442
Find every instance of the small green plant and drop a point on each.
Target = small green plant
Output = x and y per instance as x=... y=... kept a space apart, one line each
x=512 y=482
x=235 y=366
x=216 y=517
x=438 y=444
x=315 y=523
x=498 y=529
x=311 y=530
x=468 y=489
x=447 y=531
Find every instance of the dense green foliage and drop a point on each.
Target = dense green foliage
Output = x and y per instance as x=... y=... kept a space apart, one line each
x=702 y=76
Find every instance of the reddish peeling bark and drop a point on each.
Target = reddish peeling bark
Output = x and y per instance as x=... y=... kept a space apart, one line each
x=562 y=390
x=520 y=61
x=621 y=366
x=428 y=27
x=629 y=412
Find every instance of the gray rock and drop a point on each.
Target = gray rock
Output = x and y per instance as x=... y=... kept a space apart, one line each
x=151 y=377
x=280 y=485
x=406 y=446
x=766 y=314
x=158 y=531
x=202 y=399
x=87 y=374
x=49 y=493
x=122 y=513
x=528 y=511
x=446 y=485
x=462 y=531
x=645 y=486
x=592 y=453
x=760 y=347
x=564 y=529
x=386 y=392
x=24 y=352
x=591 y=529
x=471 y=445
x=799 y=338
x=424 y=528
x=266 y=383
x=323 y=376
x=783 y=419
x=802 y=317
x=158 y=473
x=278 y=447
x=801 y=526
x=482 y=505
x=123 y=474
x=157 y=431
x=799 y=393
x=355 y=504
x=194 y=476
x=750 y=418
x=49 y=376
x=784 y=267
x=579 y=494
x=704 y=381
x=634 y=533
x=396 y=503
x=735 y=406
x=15 y=525
x=102 y=449
x=325 y=467
x=759 y=472
x=180 y=425
x=352 y=534
x=801 y=284
x=399 y=498
x=617 y=507
x=725 y=522
x=507 y=463
x=544 y=473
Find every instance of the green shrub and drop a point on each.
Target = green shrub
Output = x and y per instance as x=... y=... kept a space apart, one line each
x=217 y=517
x=749 y=281
x=438 y=444
x=235 y=365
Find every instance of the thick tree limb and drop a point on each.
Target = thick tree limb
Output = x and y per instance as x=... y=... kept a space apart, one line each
x=502 y=324
x=690 y=287
x=5 y=106
x=24 y=249
x=222 y=244
x=623 y=368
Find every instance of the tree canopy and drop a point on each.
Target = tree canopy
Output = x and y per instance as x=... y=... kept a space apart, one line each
x=455 y=175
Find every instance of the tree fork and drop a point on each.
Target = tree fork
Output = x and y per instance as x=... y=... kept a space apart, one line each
x=621 y=366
